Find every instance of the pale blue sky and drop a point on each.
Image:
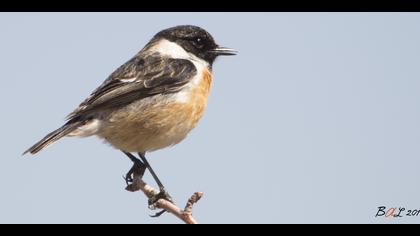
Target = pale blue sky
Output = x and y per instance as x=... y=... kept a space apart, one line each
x=315 y=121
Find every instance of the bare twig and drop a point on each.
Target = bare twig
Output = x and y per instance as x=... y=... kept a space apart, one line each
x=185 y=215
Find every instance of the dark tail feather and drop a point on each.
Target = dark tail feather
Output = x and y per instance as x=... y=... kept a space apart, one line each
x=52 y=137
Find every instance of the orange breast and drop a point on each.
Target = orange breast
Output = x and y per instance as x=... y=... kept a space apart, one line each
x=199 y=95
x=159 y=124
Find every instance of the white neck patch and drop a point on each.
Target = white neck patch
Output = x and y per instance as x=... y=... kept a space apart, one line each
x=173 y=50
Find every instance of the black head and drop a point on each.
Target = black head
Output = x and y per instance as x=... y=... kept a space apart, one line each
x=195 y=40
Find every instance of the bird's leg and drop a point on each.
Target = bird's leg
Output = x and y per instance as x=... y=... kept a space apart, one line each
x=138 y=167
x=162 y=192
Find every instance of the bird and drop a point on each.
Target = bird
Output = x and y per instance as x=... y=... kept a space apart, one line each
x=150 y=102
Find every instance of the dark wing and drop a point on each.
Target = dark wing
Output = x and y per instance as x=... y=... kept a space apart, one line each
x=139 y=78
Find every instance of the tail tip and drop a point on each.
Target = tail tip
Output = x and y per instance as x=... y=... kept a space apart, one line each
x=30 y=150
x=25 y=152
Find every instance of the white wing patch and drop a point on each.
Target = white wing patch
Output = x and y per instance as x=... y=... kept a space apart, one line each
x=129 y=80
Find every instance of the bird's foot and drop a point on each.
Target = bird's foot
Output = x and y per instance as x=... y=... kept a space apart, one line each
x=138 y=169
x=158 y=214
x=154 y=199
x=161 y=195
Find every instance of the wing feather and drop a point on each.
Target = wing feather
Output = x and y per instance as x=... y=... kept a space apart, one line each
x=139 y=78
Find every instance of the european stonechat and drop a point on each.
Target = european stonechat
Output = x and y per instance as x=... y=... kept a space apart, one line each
x=152 y=101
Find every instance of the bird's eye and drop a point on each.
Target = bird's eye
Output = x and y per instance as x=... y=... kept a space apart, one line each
x=198 y=42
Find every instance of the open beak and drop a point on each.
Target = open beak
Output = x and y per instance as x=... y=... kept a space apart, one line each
x=222 y=51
